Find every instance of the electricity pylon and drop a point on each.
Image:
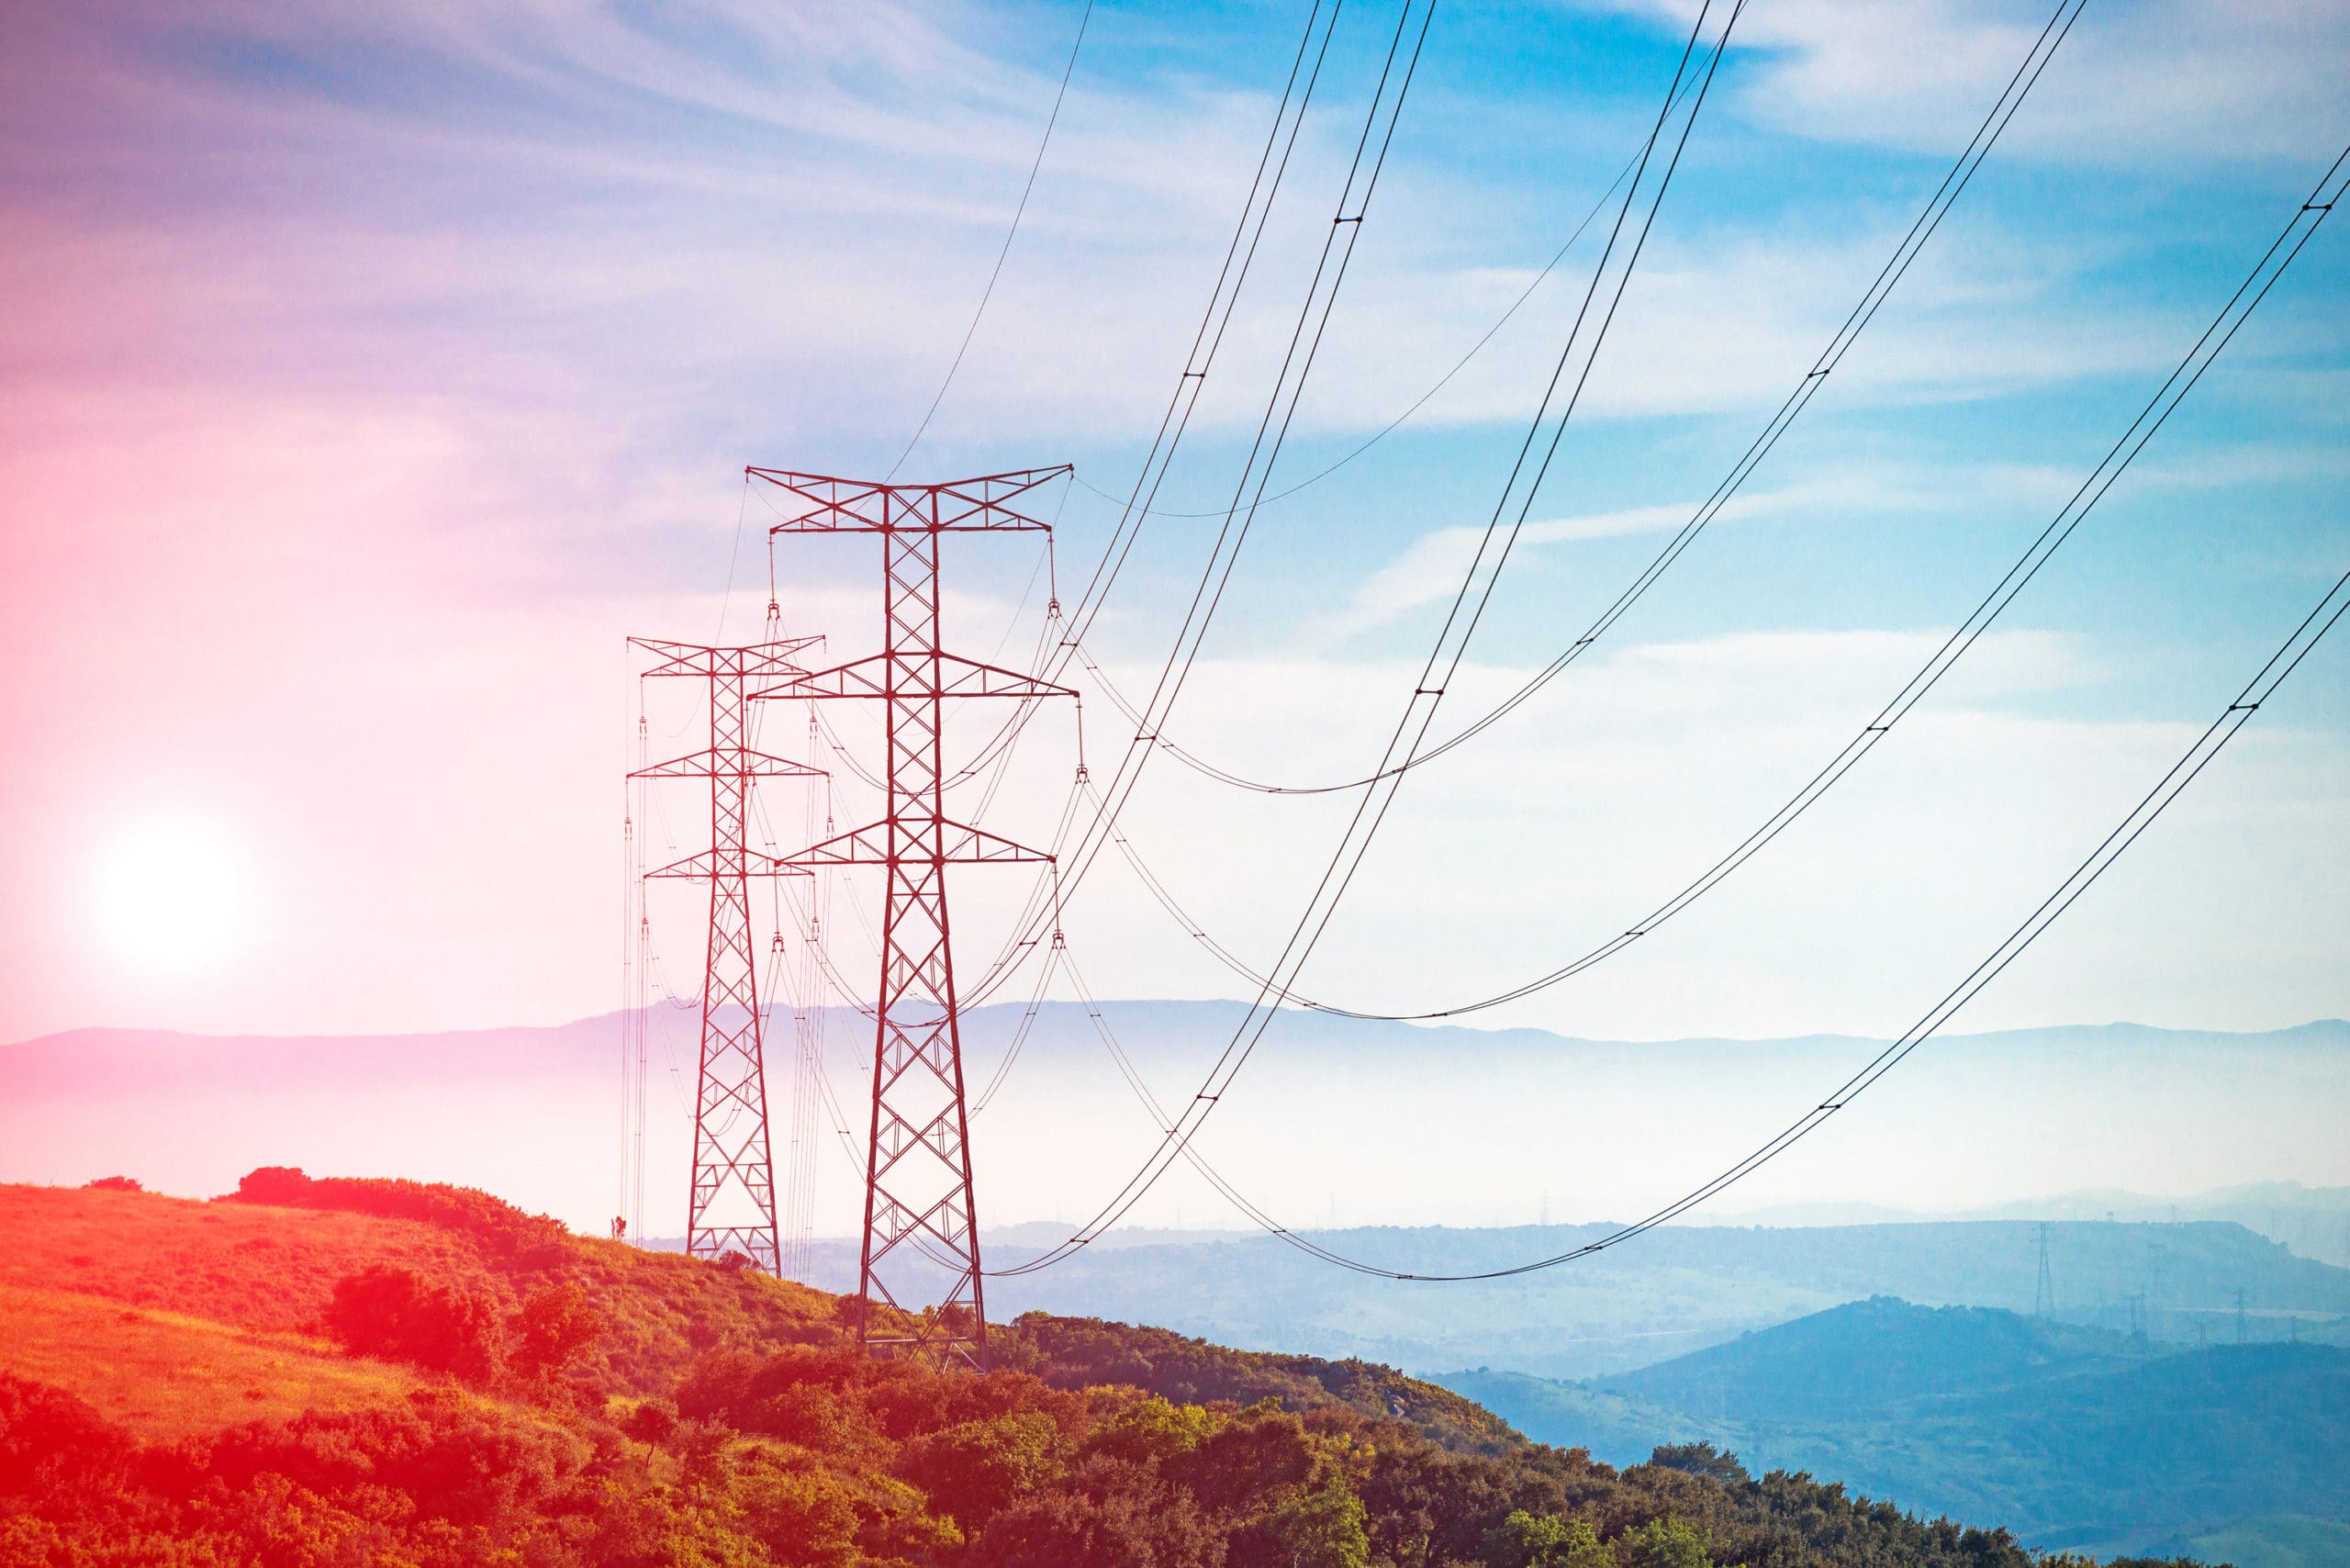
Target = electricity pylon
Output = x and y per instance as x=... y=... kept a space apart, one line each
x=919 y=1204
x=731 y=1205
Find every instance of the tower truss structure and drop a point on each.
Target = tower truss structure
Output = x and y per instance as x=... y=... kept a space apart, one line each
x=920 y=1212
x=731 y=1207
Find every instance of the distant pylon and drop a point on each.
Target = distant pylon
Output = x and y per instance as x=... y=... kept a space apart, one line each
x=730 y=1200
x=2044 y=1294
x=919 y=1195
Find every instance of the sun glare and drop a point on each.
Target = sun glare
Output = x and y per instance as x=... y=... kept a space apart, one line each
x=170 y=895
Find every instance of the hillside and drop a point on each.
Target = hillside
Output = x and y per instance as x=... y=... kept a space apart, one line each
x=320 y=1372
x=2076 y=1438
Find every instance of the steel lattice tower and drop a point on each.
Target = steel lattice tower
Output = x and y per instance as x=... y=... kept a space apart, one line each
x=919 y=1199
x=731 y=1205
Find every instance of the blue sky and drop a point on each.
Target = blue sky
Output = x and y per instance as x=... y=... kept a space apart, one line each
x=430 y=343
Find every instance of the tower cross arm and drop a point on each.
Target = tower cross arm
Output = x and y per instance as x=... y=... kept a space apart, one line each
x=936 y=840
x=704 y=865
x=731 y=763
x=918 y=675
x=758 y=661
x=836 y=505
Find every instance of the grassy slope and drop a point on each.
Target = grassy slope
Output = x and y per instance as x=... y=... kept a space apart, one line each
x=165 y=1375
x=255 y=1268
x=260 y=1267
x=228 y=1296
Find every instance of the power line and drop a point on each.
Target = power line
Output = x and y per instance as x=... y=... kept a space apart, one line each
x=2255 y=693
x=1215 y=317
x=2157 y=410
x=1204 y=601
x=1895 y=267
x=997 y=271
x=1392 y=426
x=1315 y=918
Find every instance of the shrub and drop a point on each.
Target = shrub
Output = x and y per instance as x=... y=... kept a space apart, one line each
x=1544 y=1541
x=114 y=1184
x=1664 y=1542
x=501 y=1227
x=1700 y=1458
x=973 y=1470
x=555 y=1325
x=384 y=1310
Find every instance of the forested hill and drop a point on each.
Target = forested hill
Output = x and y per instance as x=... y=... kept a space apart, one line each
x=325 y=1372
x=2072 y=1437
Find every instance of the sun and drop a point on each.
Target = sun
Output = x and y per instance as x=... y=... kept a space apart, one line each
x=171 y=894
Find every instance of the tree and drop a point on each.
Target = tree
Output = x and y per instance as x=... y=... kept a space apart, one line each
x=1103 y=1513
x=1150 y=1431
x=555 y=1324
x=1665 y=1542
x=1308 y=1527
x=1545 y=1540
x=975 y=1469
x=1261 y=1448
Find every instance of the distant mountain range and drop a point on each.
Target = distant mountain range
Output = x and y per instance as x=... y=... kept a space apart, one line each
x=2077 y=1438
x=1336 y=1121
x=1675 y=1290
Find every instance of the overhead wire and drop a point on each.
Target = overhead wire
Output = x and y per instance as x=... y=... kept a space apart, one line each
x=996 y=272
x=1231 y=274
x=1199 y=360
x=2273 y=262
x=1273 y=424
x=2256 y=692
x=1392 y=426
x=2117 y=460
x=1316 y=916
x=1921 y=230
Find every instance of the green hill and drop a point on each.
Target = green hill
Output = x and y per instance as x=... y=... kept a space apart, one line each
x=2074 y=1438
x=316 y=1373
x=1871 y=1358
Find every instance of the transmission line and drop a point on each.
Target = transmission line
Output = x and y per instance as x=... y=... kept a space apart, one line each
x=2207 y=745
x=1316 y=916
x=997 y=271
x=2157 y=410
x=2248 y=295
x=1921 y=230
x=1302 y=352
x=1392 y=426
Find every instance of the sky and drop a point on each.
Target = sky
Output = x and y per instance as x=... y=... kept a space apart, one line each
x=371 y=373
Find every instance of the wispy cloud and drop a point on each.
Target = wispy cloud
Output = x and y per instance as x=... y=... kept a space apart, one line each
x=1430 y=569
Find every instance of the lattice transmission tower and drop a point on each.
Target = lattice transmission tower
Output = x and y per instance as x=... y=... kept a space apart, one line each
x=920 y=1212
x=730 y=1207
